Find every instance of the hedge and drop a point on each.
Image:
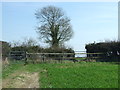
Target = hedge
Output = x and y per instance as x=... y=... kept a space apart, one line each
x=110 y=50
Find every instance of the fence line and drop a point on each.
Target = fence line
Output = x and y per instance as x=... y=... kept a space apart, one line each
x=61 y=56
x=43 y=57
x=64 y=53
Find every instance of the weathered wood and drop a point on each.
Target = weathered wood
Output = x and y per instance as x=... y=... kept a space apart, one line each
x=62 y=53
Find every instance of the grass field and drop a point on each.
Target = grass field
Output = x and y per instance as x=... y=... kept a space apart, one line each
x=66 y=75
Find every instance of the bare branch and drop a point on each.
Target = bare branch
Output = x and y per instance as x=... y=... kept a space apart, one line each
x=55 y=26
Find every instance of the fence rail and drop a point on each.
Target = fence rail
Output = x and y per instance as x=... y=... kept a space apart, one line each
x=61 y=56
x=43 y=57
x=26 y=57
x=64 y=53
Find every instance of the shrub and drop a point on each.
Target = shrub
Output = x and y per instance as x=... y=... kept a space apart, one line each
x=110 y=50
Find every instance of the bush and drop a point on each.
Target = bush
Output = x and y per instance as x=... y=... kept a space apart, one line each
x=110 y=50
x=5 y=48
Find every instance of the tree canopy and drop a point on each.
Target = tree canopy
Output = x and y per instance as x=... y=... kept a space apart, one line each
x=54 y=27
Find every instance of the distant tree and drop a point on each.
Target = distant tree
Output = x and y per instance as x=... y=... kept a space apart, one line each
x=55 y=27
x=28 y=45
x=29 y=42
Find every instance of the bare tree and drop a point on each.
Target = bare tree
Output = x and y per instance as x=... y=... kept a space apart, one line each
x=27 y=42
x=55 y=27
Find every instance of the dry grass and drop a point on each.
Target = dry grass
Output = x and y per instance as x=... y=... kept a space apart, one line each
x=22 y=80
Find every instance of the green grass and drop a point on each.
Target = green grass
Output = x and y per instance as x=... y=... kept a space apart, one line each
x=80 y=58
x=72 y=75
x=9 y=70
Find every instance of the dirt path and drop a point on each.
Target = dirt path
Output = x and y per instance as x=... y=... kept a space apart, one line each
x=22 y=80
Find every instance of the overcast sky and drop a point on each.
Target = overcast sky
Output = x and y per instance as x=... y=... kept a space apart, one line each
x=91 y=21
